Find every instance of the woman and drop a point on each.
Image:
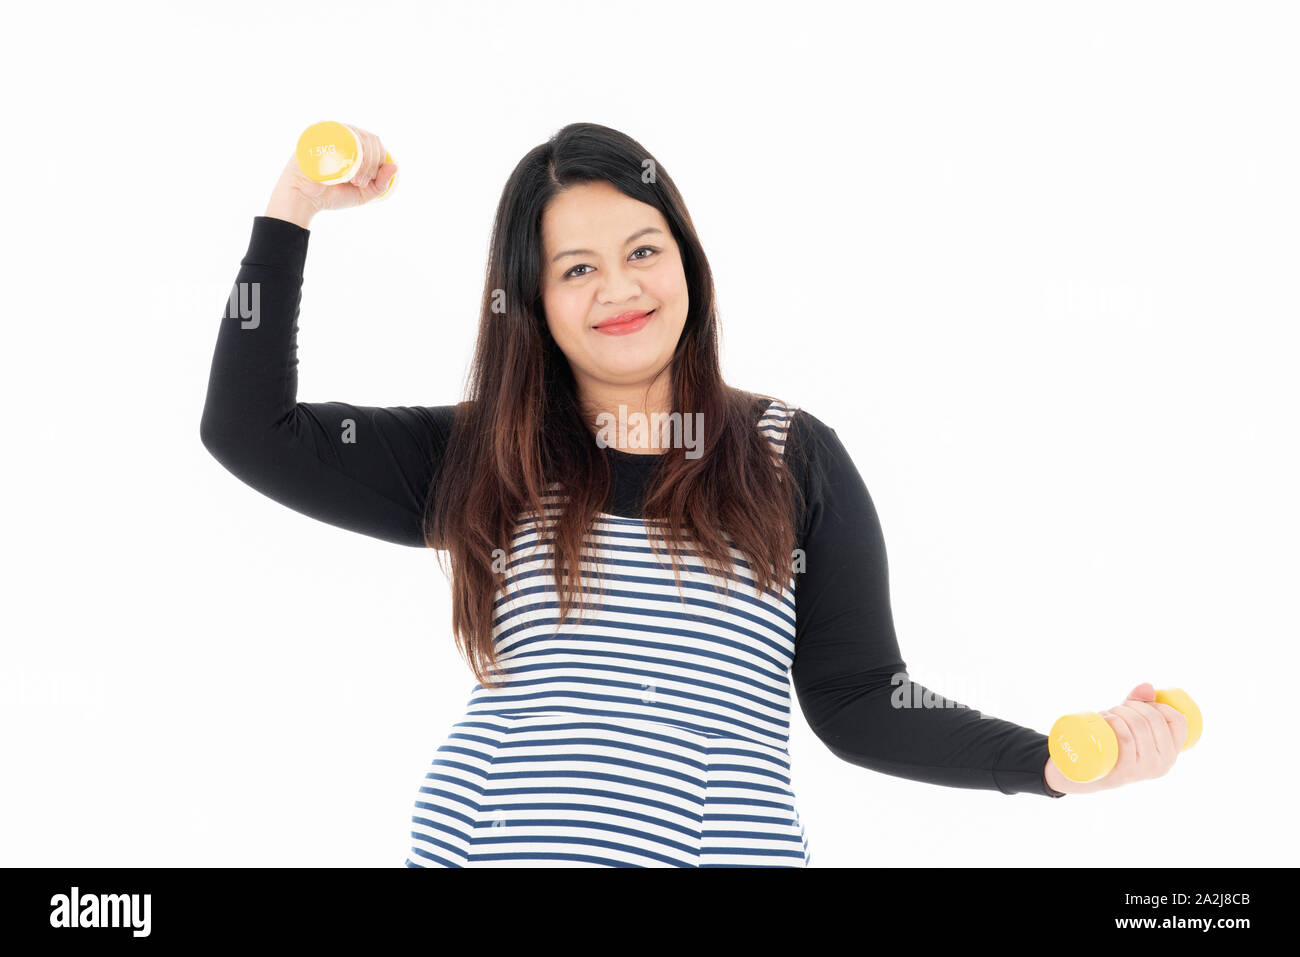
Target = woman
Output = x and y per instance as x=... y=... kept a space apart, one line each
x=633 y=648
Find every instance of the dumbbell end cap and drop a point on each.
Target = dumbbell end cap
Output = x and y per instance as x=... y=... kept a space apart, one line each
x=1083 y=746
x=1181 y=701
x=329 y=152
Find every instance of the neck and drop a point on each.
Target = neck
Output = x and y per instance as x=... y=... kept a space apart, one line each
x=607 y=407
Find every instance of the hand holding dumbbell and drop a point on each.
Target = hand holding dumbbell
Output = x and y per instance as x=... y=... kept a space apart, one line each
x=332 y=154
x=335 y=166
x=1137 y=740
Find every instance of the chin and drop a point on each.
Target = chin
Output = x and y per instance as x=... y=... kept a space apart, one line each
x=627 y=372
x=628 y=369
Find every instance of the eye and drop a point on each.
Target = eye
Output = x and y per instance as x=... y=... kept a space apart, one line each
x=635 y=258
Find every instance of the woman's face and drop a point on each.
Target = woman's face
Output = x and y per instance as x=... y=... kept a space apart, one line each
x=606 y=255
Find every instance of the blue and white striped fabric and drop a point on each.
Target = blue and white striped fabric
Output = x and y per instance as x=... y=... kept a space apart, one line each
x=652 y=732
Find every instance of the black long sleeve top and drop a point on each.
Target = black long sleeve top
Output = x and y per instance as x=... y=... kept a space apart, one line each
x=847 y=668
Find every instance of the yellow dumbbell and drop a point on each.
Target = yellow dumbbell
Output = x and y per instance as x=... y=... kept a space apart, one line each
x=331 y=153
x=1084 y=746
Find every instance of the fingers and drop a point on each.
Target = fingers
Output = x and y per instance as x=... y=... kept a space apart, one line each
x=362 y=179
x=1139 y=731
x=364 y=185
x=371 y=178
x=372 y=158
x=1124 y=735
x=1148 y=748
x=1143 y=692
x=379 y=159
x=1151 y=731
x=1157 y=725
x=1176 y=722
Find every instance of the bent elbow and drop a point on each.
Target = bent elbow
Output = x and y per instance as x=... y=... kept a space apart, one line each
x=215 y=438
x=228 y=445
x=208 y=434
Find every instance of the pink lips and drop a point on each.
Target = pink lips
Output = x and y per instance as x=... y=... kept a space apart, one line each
x=625 y=323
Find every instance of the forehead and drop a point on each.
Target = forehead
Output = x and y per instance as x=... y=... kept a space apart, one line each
x=595 y=214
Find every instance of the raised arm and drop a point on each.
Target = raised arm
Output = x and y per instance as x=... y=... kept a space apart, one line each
x=848 y=670
x=362 y=468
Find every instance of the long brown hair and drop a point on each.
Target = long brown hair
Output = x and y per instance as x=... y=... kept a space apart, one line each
x=522 y=428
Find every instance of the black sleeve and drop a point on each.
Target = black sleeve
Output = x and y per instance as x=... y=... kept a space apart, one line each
x=362 y=468
x=848 y=671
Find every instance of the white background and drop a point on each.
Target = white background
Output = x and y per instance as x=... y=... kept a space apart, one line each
x=1035 y=262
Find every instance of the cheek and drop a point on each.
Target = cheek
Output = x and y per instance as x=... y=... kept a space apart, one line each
x=670 y=286
x=674 y=294
x=565 y=317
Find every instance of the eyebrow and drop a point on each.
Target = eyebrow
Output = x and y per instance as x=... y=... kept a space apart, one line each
x=592 y=252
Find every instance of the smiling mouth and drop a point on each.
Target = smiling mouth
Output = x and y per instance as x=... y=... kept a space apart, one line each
x=627 y=322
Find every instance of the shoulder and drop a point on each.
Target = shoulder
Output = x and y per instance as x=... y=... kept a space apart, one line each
x=766 y=408
x=812 y=431
x=443 y=418
x=803 y=433
x=444 y=415
x=774 y=415
x=799 y=434
x=812 y=449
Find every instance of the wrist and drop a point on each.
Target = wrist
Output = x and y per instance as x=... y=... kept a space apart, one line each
x=291 y=206
x=1058 y=781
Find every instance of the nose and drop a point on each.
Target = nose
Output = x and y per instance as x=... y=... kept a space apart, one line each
x=617 y=285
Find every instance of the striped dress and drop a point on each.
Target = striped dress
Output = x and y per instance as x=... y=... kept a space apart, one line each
x=653 y=732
